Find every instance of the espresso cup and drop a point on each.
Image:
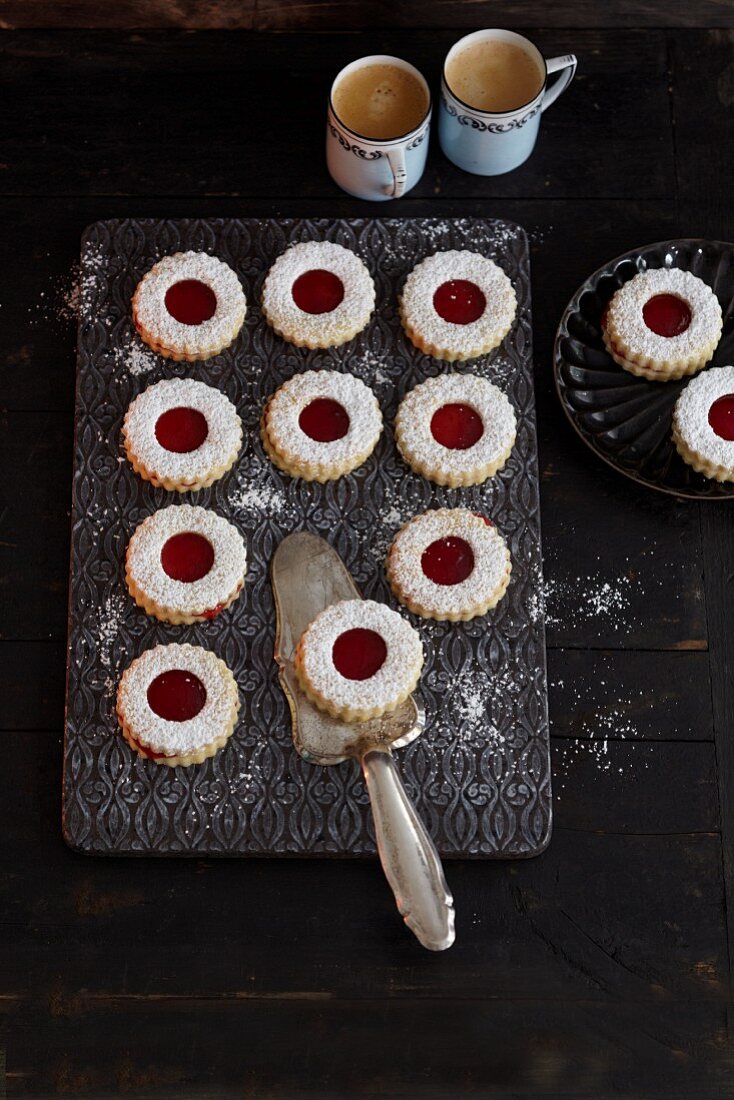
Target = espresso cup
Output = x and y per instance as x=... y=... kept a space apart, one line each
x=491 y=142
x=370 y=167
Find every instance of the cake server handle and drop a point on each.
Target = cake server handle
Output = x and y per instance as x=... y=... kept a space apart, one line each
x=409 y=858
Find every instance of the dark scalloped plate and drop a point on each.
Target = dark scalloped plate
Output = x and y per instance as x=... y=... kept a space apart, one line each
x=626 y=420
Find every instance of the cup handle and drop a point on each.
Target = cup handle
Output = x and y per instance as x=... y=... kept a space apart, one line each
x=566 y=65
x=396 y=157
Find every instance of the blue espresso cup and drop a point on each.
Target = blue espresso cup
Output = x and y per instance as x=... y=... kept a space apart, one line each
x=371 y=168
x=489 y=143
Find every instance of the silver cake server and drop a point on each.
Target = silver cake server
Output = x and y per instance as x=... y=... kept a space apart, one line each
x=309 y=576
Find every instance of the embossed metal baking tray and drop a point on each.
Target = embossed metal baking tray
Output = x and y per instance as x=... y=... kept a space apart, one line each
x=480 y=773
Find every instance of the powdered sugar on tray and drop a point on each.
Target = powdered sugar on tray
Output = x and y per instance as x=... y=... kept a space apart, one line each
x=473 y=705
x=253 y=494
x=107 y=621
x=132 y=356
x=371 y=368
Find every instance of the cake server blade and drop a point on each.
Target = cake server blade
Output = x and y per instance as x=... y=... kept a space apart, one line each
x=308 y=576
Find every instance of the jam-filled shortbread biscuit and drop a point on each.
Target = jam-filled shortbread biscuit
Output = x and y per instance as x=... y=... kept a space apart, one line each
x=358 y=659
x=182 y=434
x=189 y=306
x=318 y=294
x=177 y=704
x=450 y=563
x=185 y=564
x=457 y=305
x=703 y=423
x=321 y=425
x=456 y=429
x=662 y=324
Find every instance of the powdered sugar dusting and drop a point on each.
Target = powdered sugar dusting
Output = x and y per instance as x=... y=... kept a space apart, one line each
x=107 y=621
x=221 y=445
x=171 y=738
x=474 y=705
x=396 y=676
x=71 y=295
x=159 y=327
x=588 y=598
x=145 y=569
x=418 y=312
x=691 y=417
x=626 y=326
x=422 y=450
x=130 y=355
x=318 y=329
x=490 y=571
x=288 y=439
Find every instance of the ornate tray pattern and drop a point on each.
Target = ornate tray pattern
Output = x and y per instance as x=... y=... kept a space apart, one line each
x=480 y=774
x=626 y=420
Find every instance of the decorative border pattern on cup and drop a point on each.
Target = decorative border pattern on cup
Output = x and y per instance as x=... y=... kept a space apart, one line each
x=363 y=154
x=418 y=141
x=488 y=127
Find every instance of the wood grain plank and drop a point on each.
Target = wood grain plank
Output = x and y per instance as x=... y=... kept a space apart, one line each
x=629 y=695
x=482 y=1049
x=657 y=786
x=707 y=93
x=327 y=14
x=318 y=15
x=34 y=525
x=629 y=911
x=128 y=14
x=42 y=664
x=171 y=113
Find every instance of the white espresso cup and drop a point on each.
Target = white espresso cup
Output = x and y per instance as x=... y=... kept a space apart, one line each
x=489 y=143
x=372 y=168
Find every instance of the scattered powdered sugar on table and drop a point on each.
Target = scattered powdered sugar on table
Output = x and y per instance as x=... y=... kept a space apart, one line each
x=588 y=598
x=69 y=294
x=600 y=751
x=72 y=294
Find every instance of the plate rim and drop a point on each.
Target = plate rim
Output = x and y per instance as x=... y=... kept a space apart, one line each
x=562 y=330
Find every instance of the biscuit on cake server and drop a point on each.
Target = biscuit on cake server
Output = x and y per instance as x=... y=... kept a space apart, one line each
x=308 y=576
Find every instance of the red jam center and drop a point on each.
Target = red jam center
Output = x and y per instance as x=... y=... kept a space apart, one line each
x=666 y=315
x=721 y=416
x=317 y=291
x=176 y=695
x=457 y=427
x=359 y=653
x=181 y=430
x=448 y=561
x=191 y=302
x=187 y=557
x=459 y=302
x=324 y=420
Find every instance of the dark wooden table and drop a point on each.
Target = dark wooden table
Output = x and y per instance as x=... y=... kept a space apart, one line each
x=600 y=969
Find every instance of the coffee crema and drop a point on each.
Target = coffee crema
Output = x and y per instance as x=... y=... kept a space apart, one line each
x=380 y=101
x=492 y=75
